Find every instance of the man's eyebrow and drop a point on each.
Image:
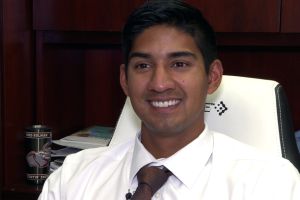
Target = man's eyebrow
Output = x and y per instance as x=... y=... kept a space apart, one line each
x=176 y=54
x=139 y=55
x=182 y=54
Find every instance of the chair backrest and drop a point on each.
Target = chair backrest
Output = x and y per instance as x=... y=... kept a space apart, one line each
x=253 y=111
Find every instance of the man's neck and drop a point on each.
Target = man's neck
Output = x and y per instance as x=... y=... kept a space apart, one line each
x=162 y=146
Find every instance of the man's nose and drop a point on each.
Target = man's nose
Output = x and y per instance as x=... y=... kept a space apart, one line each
x=161 y=79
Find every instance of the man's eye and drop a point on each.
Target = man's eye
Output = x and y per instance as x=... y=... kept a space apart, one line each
x=142 y=66
x=180 y=64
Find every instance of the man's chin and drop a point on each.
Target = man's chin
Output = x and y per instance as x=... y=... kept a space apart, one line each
x=163 y=129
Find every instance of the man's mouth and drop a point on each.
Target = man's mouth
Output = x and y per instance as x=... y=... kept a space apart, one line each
x=164 y=104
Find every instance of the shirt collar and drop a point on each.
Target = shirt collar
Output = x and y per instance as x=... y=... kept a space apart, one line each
x=195 y=156
x=140 y=157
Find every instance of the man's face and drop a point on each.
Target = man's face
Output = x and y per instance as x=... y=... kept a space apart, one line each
x=166 y=81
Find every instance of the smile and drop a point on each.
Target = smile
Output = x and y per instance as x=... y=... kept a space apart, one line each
x=164 y=104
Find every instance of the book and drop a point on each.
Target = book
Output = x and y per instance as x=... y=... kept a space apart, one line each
x=63 y=152
x=91 y=137
x=297 y=135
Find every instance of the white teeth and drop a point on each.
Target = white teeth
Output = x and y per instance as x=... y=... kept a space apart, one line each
x=164 y=104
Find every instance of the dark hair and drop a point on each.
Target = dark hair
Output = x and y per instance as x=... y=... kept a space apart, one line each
x=173 y=13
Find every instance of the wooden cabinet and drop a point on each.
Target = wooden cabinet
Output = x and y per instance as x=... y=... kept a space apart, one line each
x=77 y=82
x=241 y=15
x=83 y=15
x=290 y=16
x=17 y=91
x=60 y=62
x=225 y=16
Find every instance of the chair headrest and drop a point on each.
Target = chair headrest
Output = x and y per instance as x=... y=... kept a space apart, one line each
x=245 y=109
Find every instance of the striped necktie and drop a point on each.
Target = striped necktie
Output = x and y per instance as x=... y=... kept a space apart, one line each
x=150 y=179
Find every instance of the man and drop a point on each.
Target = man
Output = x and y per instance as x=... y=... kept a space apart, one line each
x=170 y=66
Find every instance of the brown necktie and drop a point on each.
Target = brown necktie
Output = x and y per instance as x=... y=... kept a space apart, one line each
x=150 y=179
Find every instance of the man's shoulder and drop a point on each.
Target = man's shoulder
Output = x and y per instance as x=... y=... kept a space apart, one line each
x=238 y=154
x=96 y=157
x=82 y=168
x=236 y=148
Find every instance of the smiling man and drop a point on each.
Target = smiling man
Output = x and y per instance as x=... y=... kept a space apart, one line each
x=167 y=83
x=170 y=66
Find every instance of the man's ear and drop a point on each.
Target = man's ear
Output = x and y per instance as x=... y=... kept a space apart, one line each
x=123 y=79
x=214 y=76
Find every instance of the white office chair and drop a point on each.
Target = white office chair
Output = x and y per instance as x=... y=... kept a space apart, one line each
x=253 y=111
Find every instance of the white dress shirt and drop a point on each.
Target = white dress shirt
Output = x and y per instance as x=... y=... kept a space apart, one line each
x=212 y=167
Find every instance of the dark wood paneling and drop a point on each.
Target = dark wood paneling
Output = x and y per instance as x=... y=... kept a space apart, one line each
x=1 y=96
x=21 y=191
x=82 y=37
x=241 y=15
x=60 y=87
x=18 y=91
x=103 y=95
x=275 y=63
x=224 y=39
x=290 y=16
x=13 y=195
x=84 y=15
x=259 y=39
x=225 y=16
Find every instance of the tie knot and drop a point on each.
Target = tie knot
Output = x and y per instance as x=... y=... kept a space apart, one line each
x=153 y=177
